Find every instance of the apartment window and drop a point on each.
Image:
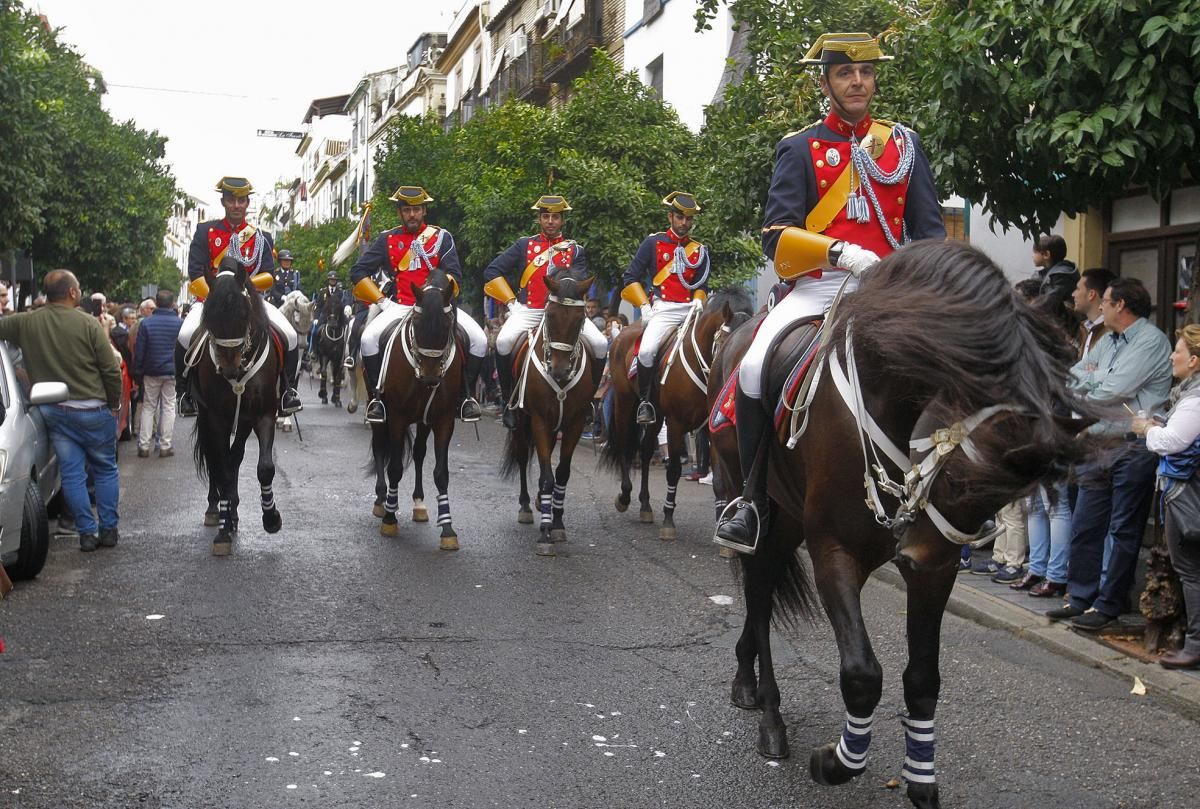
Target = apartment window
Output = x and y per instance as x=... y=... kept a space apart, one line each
x=654 y=76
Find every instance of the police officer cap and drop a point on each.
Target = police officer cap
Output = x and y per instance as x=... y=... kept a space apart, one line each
x=331 y=276
x=285 y=255
x=237 y=186
x=844 y=49
x=410 y=195
x=551 y=203
x=683 y=202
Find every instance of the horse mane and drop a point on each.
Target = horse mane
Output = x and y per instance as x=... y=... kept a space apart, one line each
x=432 y=328
x=226 y=308
x=940 y=320
x=738 y=298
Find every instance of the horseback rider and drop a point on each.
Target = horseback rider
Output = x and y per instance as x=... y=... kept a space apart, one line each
x=678 y=267
x=254 y=251
x=332 y=289
x=535 y=256
x=845 y=192
x=408 y=253
x=287 y=279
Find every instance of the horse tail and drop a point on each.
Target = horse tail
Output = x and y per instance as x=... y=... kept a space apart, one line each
x=779 y=568
x=622 y=441
x=511 y=464
x=198 y=442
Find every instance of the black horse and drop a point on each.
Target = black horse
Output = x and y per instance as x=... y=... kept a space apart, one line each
x=934 y=354
x=236 y=358
x=329 y=347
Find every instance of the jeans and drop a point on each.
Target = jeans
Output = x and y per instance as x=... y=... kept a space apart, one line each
x=1049 y=534
x=1114 y=501
x=86 y=439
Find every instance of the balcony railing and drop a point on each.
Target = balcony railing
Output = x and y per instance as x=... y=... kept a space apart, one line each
x=521 y=77
x=567 y=48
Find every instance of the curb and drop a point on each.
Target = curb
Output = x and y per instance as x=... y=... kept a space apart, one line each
x=1180 y=691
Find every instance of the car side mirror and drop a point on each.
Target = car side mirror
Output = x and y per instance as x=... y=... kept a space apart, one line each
x=48 y=393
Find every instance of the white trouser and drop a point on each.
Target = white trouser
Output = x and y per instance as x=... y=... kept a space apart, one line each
x=369 y=344
x=158 y=406
x=811 y=296
x=664 y=318
x=525 y=319
x=192 y=322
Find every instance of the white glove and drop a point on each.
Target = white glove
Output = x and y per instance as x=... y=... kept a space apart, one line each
x=647 y=310
x=515 y=307
x=384 y=303
x=856 y=259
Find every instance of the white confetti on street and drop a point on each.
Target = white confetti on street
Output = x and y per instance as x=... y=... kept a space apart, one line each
x=272 y=758
x=155 y=617
x=724 y=601
x=375 y=774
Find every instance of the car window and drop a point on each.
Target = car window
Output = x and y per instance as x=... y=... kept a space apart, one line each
x=4 y=381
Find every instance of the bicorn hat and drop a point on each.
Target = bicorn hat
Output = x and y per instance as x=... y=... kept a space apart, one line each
x=682 y=202
x=842 y=49
x=411 y=195
x=551 y=203
x=237 y=186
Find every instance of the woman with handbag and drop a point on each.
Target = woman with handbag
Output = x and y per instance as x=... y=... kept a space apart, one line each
x=1178 y=443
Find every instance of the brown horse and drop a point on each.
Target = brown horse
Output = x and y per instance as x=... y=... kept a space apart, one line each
x=235 y=360
x=936 y=355
x=555 y=389
x=682 y=393
x=421 y=386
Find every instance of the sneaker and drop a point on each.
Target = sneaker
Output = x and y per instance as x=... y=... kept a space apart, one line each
x=143 y=453
x=586 y=435
x=985 y=567
x=1048 y=589
x=1092 y=621
x=166 y=452
x=1008 y=575
x=964 y=565
x=87 y=542
x=706 y=480
x=1064 y=613
x=109 y=537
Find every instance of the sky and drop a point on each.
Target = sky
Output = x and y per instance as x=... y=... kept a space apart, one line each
x=208 y=80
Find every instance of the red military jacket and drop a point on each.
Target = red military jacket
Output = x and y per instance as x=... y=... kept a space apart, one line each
x=533 y=278
x=407 y=268
x=891 y=197
x=672 y=282
x=212 y=240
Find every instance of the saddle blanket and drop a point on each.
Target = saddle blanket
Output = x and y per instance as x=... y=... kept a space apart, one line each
x=724 y=412
x=663 y=350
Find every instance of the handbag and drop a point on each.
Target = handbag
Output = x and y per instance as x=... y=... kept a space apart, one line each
x=1182 y=504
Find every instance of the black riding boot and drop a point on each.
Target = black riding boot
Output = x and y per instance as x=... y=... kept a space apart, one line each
x=645 y=410
x=289 y=401
x=186 y=406
x=742 y=531
x=504 y=372
x=376 y=413
x=597 y=370
x=469 y=411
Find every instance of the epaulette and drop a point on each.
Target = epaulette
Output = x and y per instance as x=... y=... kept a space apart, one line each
x=885 y=122
x=817 y=122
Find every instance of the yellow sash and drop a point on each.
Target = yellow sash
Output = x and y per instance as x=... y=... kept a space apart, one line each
x=246 y=235
x=665 y=272
x=423 y=236
x=835 y=199
x=542 y=259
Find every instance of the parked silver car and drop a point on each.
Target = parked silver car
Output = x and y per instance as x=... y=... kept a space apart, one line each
x=28 y=469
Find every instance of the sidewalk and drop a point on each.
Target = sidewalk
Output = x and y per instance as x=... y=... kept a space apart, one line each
x=979 y=599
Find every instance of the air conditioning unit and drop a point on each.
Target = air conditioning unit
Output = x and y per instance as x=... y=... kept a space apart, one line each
x=545 y=10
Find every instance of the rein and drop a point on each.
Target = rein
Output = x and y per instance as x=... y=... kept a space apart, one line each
x=413 y=352
x=542 y=364
x=687 y=330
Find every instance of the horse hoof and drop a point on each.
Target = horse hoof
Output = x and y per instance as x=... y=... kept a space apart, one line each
x=211 y=518
x=827 y=769
x=449 y=543
x=525 y=517
x=558 y=534
x=272 y=521
x=337 y=403
x=622 y=505
x=727 y=553
x=668 y=533
x=387 y=529
x=924 y=796
x=352 y=407
x=420 y=514
x=744 y=695
x=772 y=740
x=377 y=510
x=545 y=549
x=222 y=545
x=646 y=516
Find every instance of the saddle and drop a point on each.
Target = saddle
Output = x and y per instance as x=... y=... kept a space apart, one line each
x=789 y=362
x=200 y=337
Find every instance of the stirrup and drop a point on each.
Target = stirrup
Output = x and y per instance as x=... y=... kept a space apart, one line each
x=186 y=406
x=376 y=412
x=469 y=415
x=739 y=503
x=646 y=407
x=348 y=362
x=509 y=418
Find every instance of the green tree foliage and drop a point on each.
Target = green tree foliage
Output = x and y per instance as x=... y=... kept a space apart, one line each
x=1058 y=106
x=78 y=189
x=162 y=273
x=614 y=150
x=313 y=249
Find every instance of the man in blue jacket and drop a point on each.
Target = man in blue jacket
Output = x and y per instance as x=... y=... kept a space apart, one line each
x=154 y=372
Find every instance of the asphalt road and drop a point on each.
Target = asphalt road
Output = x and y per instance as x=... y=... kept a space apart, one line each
x=329 y=666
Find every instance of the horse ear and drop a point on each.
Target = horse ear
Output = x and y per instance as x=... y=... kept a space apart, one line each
x=416 y=291
x=586 y=284
x=726 y=313
x=552 y=284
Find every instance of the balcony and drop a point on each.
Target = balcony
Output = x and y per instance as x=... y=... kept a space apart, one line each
x=520 y=78
x=569 y=50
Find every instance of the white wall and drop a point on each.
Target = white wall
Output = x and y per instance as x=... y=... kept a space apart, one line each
x=1008 y=248
x=692 y=62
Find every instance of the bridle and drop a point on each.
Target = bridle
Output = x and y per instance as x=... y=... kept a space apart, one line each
x=542 y=364
x=688 y=331
x=413 y=352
